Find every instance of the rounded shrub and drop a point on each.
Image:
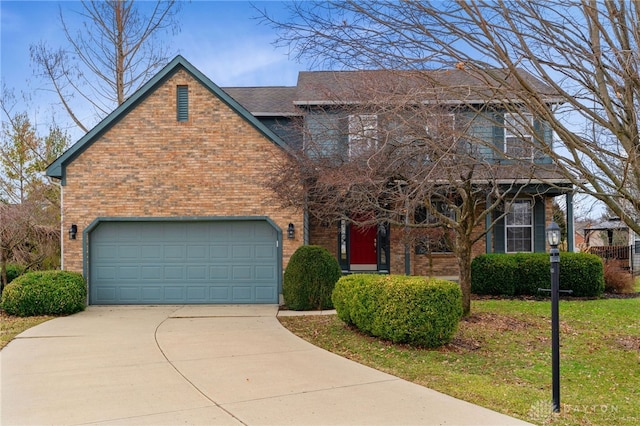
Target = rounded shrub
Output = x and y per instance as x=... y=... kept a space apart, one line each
x=309 y=279
x=45 y=293
x=414 y=310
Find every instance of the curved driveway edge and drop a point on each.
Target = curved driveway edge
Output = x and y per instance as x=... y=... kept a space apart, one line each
x=205 y=365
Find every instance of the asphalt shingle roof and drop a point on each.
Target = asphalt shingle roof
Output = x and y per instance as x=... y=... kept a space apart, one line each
x=451 y=86
x=267 y=100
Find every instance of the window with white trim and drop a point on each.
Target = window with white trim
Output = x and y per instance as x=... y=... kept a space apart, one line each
x=518 y=136
x=519 y=226
x=363 y=133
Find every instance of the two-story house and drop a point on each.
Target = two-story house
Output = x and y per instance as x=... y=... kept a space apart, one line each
x=333 y=113
x=167 y=199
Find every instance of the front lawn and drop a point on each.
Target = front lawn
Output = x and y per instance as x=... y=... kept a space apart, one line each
x=501 y=358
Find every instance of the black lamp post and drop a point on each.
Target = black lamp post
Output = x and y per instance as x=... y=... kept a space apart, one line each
x=553 y=238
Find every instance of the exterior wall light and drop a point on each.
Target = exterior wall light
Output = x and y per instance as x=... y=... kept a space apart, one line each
x=73 y=231
x=291 y=231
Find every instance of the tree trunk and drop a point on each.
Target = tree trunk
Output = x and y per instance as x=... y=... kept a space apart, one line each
x=464 y=264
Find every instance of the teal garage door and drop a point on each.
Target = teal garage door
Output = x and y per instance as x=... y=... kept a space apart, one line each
x=183 y=262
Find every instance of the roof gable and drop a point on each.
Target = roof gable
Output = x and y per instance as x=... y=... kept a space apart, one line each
x=57 y=168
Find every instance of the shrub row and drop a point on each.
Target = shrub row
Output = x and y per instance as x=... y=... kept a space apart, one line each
x=524 y=273
x=309 y=279
x=415 y=310
x=45 y=293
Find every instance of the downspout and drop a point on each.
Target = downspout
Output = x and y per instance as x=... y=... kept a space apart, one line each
x=58 y=183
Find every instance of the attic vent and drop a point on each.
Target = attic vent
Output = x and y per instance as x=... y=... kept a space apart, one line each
x=182 y=95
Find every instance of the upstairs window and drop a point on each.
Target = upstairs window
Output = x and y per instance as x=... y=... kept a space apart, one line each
x=519 y=227
x=182 y=103
x=363 y=134
x=440 y=126
x=518 y=136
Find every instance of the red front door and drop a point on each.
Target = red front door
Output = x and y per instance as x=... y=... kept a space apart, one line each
x=363 y=251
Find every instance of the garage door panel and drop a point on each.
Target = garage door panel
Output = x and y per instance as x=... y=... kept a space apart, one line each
x=151 y=252
x=183 y=262
x=265 y=293
x=128 y=293
x=174 y=273
x=107 y=294
x=219 y=273
x=197 y=253
x=106 y=273
x=242 y=252
x=151 y=272
x=174 y=293
x=220 y=294
x=128 y=273
x=242 y=293
x=152 y=294
x=197 y=273
x=264 y=251
x=219 y=251
x=265 y=272
x=240 y=273
x=174 y=253
x=197 y=294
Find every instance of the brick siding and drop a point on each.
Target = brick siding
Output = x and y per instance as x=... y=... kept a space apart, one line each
x=150 y=165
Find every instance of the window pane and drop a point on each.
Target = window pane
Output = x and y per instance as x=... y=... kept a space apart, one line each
x=519 y=239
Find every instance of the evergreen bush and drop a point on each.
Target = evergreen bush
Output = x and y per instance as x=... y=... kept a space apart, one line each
x=415 y=310
x=525 y=273
x=45 y=293
x=309 y=279
x=493 y=274
x=14 y=271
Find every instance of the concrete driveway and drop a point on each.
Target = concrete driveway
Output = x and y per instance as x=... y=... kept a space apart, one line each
x=207 y=365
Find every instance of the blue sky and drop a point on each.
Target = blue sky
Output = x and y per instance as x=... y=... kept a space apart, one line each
x=221 y=38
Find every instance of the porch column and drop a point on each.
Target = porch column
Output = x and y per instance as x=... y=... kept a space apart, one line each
x=570 y=224
x=488 y=240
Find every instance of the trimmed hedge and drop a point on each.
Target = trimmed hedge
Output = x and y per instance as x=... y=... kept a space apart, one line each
x=45 y=293
x=309 y=279
x=403 y=309
x=523 y=273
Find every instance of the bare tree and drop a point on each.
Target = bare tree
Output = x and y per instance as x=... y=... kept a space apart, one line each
x=585 y=51
x=29 y=204
x=412 y=160
x=116 y=50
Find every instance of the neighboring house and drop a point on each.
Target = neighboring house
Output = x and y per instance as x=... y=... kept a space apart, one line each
x=167 y=196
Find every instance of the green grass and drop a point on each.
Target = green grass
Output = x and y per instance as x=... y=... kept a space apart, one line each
x=501 y=358
x=11 y=326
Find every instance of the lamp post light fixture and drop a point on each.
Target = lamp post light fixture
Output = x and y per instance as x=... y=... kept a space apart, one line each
x=553 y=238
x=291 y=231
